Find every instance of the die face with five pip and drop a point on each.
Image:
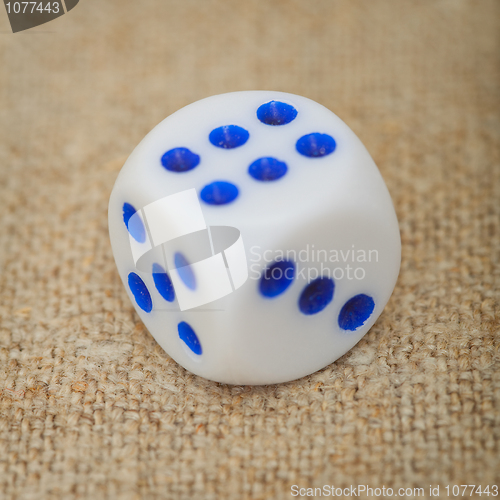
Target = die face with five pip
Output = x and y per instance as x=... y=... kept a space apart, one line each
x=255 y=237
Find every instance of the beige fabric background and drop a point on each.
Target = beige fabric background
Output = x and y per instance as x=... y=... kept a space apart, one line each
x=91 y=407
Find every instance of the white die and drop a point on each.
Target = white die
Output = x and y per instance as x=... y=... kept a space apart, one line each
x=255 y=236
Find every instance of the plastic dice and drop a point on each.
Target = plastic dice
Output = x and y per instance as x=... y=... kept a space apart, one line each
x=255 y=237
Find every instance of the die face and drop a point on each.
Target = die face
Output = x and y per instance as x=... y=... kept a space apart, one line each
x=275 y=334
x=292 y=177
x=346 y=168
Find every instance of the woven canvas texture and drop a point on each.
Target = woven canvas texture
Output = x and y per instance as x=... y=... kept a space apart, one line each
x=90 y=405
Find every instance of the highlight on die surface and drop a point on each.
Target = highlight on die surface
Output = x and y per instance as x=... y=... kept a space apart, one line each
x=255 y=237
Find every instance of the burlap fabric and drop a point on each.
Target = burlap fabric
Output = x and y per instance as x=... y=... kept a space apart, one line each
x=91 y=407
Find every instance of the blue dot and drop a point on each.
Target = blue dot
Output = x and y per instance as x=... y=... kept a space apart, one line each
x=276 y=113
x=180 y=160
x=267 y=169
x=184 y=270
x=316 y=295
x=163 y=283
x=187 y=335
x=355 y=312
x=135 y=226
x=277 y=278
x=228 y=136
x=316 y=145
x=219 y=193
x=140 y=292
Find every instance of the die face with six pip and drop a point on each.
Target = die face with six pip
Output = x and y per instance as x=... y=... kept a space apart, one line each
x=255 y=237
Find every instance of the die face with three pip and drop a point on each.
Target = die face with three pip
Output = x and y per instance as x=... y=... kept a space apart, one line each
x=255 y=237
